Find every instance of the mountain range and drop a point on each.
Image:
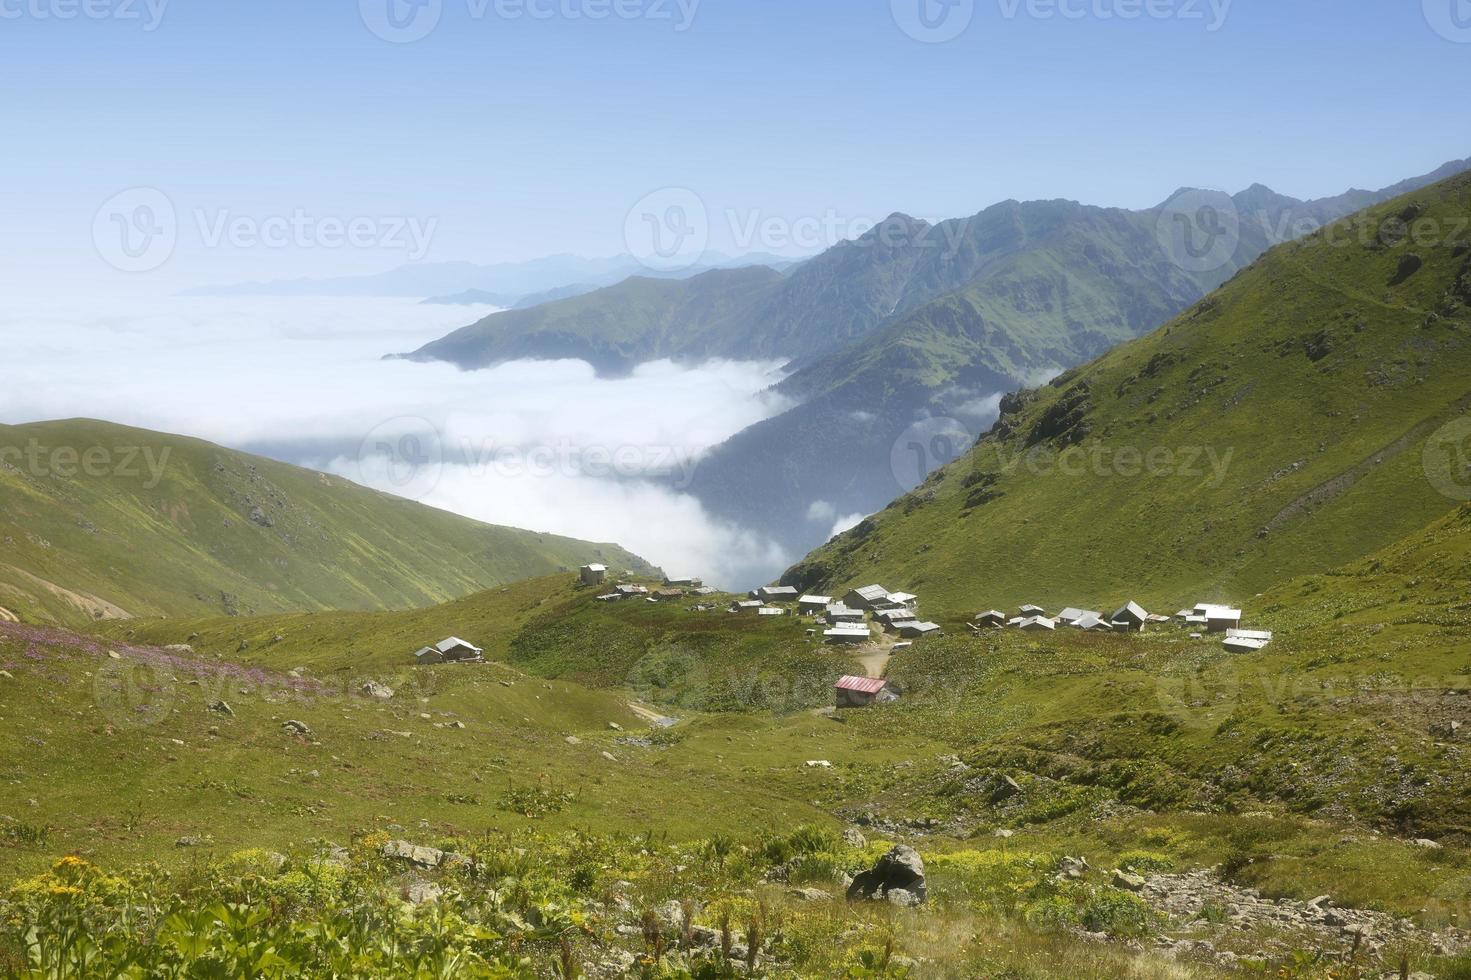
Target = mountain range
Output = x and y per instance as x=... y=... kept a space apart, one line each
x=901 y=343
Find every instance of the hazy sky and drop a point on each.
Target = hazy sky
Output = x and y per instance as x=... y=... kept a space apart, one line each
x=517 y=128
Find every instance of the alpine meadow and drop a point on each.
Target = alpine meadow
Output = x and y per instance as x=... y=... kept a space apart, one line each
x=553 y=491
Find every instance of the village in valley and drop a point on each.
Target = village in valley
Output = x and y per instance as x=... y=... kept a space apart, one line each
x=886 y=623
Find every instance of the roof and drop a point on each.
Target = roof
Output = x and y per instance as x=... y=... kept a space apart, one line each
x=863 y=685
x=1249 y=635
x=816 y=600
x=992 y=614
x=1131 y=610
x=771 y=611
x=595 y=568
x=918 y=627
x=1221 y=612
x=902 y=597
x=872 y=593
x=1031 y=609
x=892 y=614
x=447 y=645
x=777 y=590
x=1071 y=614
x=848 y=633
x=1091 y=621
x=1038 y=622
x=425 y=650
x=1244 y=643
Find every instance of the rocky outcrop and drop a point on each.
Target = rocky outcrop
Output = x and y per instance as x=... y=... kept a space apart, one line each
x=898 y=877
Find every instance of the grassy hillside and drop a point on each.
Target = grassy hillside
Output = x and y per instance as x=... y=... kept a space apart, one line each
x=1280 y=427
x=107 y=521
x=1299 y=771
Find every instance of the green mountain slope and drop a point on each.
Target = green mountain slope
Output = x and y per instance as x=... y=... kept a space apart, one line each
x=1048 y=286
x=160 y=524
x=1278 y=428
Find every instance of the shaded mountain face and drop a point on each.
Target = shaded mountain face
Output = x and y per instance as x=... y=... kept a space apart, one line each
x=901 y=343
x=100 y=521
x=1046 y=286
x=1309 y=412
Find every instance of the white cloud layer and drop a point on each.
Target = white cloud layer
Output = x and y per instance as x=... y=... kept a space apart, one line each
x=545 y=446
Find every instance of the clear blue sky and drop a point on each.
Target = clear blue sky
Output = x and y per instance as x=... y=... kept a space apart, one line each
x=523 y=137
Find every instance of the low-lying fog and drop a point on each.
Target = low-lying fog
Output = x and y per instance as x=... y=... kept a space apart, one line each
x=540 y=445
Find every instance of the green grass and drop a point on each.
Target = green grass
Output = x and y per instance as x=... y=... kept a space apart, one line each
x=1312 y=381
x=179 y=539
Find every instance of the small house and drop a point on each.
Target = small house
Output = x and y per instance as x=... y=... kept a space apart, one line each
x=1247 y=641
x=668 y=595
x=892 y=619
x=427 y=656
x=865 y=597
x=813 y=605
x=455 y=650
x=1028 y=611
x=771 y=611
x=751 y=606
x=898 y=600
x=1221 y=619
x=1130 y=618
x=594 y=574
x=1037 y=624
x=777 y=593
x=994 y=618
x=686 y=582
x=914 y=629
x=839 y=613
x=610 y=597
x=860 y=692
x=847 y=633
x=1071 y=615
x=1092 y=623
x=631 y=590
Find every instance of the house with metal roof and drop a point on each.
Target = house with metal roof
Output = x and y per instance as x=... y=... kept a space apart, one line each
x=1030 y=610
x=688 y=582
x=865 y=597
x=747 y=606
x=777 y=593
x=1247 y=641
x=771 y=611
x=839 y=613
x=1130 y=618
x=892 y=619
x=1037 y=624
x=1220 y=619
x=847 y=633
x=813 y=604
x=450 y=651
x=1092 y=623
x=914 y=629
x=860 y=692
x=898 y=600
x=1071 y=615
x=994 y=617
x=593 y=574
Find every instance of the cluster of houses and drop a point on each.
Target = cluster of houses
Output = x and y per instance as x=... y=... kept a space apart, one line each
x=845 y=620
x=450 y=651
x=1131 y=618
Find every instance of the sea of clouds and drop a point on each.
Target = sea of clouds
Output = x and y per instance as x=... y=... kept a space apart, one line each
x=546 y=446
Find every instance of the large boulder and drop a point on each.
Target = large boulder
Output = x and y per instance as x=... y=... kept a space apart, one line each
x=900 y=870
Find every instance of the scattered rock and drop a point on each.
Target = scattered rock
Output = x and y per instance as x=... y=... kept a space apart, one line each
x=1128 y=882
x=613 y=725
x=854 y=838
x=1072 y=867
x=819 y=764
x=258 y=517
x=809 y=894
x=176 y=648
x=424 y=857
x=1428 y=845
x=572 y=740
x=220 y=706
x=192 y=841
x=1003 y=833
x=610 y=757
x=422 y=893
x=903 y=898
x=379 y=692
x=297 y=728
x=114 y=655
x=902 y=869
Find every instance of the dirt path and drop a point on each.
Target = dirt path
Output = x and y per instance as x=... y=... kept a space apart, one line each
x=650 y=715
x=876 y=655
